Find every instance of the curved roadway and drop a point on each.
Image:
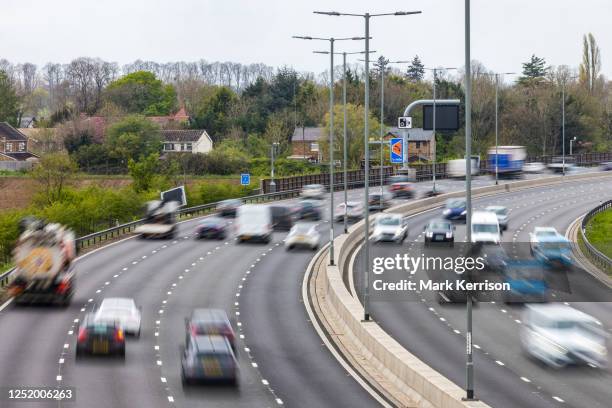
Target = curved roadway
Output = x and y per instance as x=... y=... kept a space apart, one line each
x=504 y=375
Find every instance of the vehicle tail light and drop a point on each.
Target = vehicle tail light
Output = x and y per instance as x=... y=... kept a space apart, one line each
x=193 y=330
x=82 y=335
x=119 y=336
x=63 y=286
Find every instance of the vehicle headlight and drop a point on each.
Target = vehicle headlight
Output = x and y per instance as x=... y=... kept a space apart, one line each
x=463 y=212
x=446 y=211
x=449 y=234
x=429 y=234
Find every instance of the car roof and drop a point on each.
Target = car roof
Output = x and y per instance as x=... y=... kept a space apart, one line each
x=209 y=315
x=561 y=312
x=117 y=303
x=484 y=216
x=389 y=215
x=211 y=344
x=495 y=207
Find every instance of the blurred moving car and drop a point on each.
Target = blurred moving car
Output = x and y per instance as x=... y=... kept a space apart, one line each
x=208 y=358
x=122 y=310
x=607 y=166
x=210 y=322
x=485 y=228
x=502 y=215
x=557 y=164
x=309 y=210
x=548 y=245
x=439 y=230
x=228 y=208
x=303 y=235
x=402 y=189
x=353 y=210
x=534 y=167
x=527 y=281
x=283 y=217
x=379 y=202
x=212 y=227
x=100 y=337
x=454 y=209
x=313 y=191
x=254 y=222
x=390 y=228
x=560 y=335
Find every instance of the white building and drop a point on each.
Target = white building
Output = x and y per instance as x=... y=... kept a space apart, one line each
x=189 y=140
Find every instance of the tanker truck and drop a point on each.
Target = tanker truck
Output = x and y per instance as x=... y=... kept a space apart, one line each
x=43 y=259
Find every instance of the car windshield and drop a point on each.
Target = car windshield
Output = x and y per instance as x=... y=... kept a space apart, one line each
x=389 y=221
x=546 y=234
x=455 y=204
x=485 y=228
x=301 y=228
x=499 y=211
x=440 y=226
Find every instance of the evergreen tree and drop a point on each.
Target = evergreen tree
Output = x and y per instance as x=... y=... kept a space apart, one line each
x=416 y=70
x=9 y=101
x=533 y=71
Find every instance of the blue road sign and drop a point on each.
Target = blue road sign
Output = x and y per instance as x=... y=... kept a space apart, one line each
x=245 y=179
x=397 y=150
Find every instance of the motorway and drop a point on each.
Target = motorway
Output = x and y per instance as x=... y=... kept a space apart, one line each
x=504 y=375
x=283 y=361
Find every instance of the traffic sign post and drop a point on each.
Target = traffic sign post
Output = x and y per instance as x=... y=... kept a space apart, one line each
x=404 y=122
x=245 y=179
x=397 y=150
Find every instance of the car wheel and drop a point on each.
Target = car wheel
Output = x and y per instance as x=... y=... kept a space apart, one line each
x=289 y=248
x=314 y=248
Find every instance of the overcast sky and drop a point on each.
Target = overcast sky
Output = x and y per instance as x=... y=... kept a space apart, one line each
x=504 y=32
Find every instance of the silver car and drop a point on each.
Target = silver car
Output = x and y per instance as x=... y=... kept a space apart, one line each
x=560 y=335
x=501 y=213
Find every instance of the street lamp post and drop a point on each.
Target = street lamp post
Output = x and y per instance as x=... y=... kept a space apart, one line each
x=496 y=75
x=331 y=133
x=563 y=118
x=272 y=183
x=571 y=142
x=469 y=363
x=367 y=16
x=344 y=133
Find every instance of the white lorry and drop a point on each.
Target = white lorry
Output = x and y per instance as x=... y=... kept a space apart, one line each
x=456 y=168
x=160 y=220
x=43 y=264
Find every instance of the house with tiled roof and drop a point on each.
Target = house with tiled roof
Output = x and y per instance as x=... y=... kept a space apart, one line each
x=186 y=140
x=14 y=145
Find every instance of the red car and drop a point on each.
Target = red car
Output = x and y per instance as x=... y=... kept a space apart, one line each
x=402 y=189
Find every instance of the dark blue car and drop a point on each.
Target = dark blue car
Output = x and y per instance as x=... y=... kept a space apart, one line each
x=454 y=209
x=527 y=281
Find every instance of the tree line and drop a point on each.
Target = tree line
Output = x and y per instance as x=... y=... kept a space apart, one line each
x=246 y=108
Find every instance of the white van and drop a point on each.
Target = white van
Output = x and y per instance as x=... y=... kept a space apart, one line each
x=254 y=222
x=485 y=228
